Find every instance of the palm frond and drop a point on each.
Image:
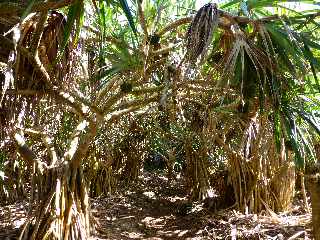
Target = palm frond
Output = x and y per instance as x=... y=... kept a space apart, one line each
x=125 y=7
x=74 y=19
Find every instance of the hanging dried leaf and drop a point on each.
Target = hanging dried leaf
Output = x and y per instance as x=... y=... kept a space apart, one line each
x=200 y=31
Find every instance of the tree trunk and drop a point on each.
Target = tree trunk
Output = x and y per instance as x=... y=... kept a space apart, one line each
x=314 y=186
x=197 y=170
x=63 y=207
x=60 y=192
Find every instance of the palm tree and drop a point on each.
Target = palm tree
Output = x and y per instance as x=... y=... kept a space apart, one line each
x=45 y=77
x=266 y=62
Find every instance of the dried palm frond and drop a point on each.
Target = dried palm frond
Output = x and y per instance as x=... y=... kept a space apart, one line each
x=240 y=46
x=48 y=47
x=200 y=31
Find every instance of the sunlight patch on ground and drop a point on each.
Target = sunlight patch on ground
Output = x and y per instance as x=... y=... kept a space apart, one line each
x=111 y=218
x=178 y=233
x=156 y=222
x=197 y=208
x=175 y=199
x=166 y=233
x=195 y=238
x=133 y=235
x=129 y=192
x=19 y=222
x=182 y=233
x=163 y=178
x=13 y=215
x=128 y=217
x=150 y=195
x=144 y=177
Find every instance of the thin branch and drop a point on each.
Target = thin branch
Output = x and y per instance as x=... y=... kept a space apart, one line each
x=105 y=90
x=112 y=100
x=240 y=19
x=86 y=103
x=142 y=20
x=138 y=102
x=70 y=101
x=23 y=149
x=62 y=96
x=83 y=136
x=228 y=20
x=47 y=142
x=131 y=108
x=174 y=25
x=164 y=50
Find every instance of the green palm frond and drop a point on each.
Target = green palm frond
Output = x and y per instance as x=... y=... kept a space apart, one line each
x=125 y=7
x=301 y=125
x=75 y=20
x=118 y=60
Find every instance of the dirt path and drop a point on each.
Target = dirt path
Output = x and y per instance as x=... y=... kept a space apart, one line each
x=155 y=209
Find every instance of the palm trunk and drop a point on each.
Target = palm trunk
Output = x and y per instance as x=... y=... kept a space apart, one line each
x=61 y=194
x=63 y=210
x=314 y=186
x=197 y=170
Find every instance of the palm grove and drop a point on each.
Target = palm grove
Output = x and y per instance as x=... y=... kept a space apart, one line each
x=227 y=94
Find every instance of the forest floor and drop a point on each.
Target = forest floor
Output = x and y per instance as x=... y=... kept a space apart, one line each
x=155 y=209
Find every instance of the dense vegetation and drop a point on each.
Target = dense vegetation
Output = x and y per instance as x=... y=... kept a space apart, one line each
x=93 y=93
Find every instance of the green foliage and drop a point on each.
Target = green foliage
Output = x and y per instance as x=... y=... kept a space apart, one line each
x=75 y=18
x=125 y=7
